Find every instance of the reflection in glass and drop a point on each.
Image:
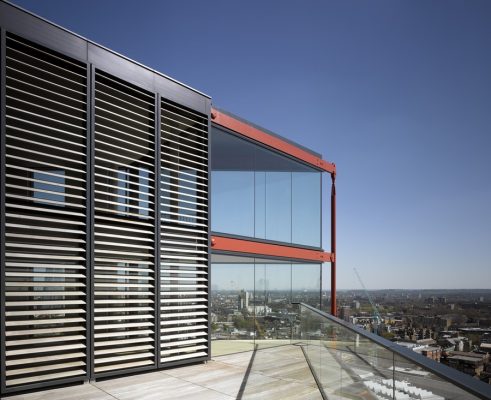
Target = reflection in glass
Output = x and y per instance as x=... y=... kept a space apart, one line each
x=278 y=206
x=306 y=284
x=233 y=202
x=259 y=193
x=232 y=319
x=251 y=303
x=306 y=210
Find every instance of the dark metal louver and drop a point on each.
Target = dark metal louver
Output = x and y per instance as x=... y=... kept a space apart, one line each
x=45 y=213
x=124 y=279
x=184 y=234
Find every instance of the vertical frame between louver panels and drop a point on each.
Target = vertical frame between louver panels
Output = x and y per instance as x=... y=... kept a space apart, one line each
x=184 y=235
x=124 y=227
x=158 y=156
x=44 y=291
x=90 y=213
x=2 y=208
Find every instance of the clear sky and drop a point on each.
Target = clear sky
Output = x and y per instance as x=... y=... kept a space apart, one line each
x=396 y=93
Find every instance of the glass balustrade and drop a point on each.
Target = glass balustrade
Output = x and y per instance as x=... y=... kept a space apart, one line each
x=351 y=363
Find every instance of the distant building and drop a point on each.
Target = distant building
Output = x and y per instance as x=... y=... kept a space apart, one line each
x=345 y=313
x=432 y=352
x=470 y=363
x=244 y=300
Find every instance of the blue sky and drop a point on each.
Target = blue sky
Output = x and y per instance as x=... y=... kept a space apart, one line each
x=396 y=93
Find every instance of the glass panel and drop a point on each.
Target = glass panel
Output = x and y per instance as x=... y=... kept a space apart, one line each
x=306 y=284
x=278 y=206
x=251 y=302
x=232 y=295
x=417 y=382
x=350 y=365
x=232 y=206
x=272 y=304
x=259 y=193
x=306 y=210
x=260 y=205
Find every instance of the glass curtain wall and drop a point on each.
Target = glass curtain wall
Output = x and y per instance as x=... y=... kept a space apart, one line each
x=259 y=193
x=251 y=301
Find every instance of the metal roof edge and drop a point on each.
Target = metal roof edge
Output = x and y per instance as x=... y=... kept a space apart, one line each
x=105 y=48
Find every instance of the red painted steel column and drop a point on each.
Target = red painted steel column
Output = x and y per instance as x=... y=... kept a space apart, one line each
x=333 y=244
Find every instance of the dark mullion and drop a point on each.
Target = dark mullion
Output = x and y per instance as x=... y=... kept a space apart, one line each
x=90 y=216
x=157 y=228
x=3 y=71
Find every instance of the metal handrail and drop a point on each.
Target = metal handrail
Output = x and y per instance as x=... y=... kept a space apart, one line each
x=457 y=378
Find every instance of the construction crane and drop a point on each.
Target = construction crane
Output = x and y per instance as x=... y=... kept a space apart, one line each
x=376 y=314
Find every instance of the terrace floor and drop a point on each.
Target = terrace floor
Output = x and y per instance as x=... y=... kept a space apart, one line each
x=275 y=373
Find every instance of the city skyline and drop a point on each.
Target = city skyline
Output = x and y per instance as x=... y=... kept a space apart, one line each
x=397 y=94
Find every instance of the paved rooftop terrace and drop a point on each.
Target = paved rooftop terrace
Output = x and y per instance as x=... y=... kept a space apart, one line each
x=276 y=373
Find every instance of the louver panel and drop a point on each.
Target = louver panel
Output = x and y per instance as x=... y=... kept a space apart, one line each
x=124 y=270
x=184 y=234
x=45 y=213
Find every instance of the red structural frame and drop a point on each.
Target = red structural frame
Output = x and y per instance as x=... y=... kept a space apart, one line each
x=277 y=143
x=266 y=249
x=258 y=248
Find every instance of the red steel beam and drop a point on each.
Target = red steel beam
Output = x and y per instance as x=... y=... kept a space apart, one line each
x=266 y=249
x=275 y=142
x=333 y=245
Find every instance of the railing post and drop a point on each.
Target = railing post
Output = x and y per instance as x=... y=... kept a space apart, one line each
x=393 y=375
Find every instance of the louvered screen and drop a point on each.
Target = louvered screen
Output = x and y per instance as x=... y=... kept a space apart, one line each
x=124 y=287
x=184 y=234
x=45 y=275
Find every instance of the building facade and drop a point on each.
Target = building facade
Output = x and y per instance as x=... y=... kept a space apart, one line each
x=127 y=202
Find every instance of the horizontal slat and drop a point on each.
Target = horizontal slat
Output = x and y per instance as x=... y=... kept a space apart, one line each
x=135 y=356
x=42 y=303
x=184 y=300
x=182 y=335
x=45 y=377
x=55 y=339
x=122 y=342
x=183 y=315
x=191 y=307
x=124 y=349
x=184 y=356
x=44 y=293
x=123 y=366
x=197 y=330
x=182 y=321
x=49 y=321
x=35 y=350
x=45 y=284
x=185 y=342
x=51 y=367
x=35 y=360
x=183 y=350
x=125 y=333
x=122 y=309
x=123 y=317
x=45 y=312
x=44 y=331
